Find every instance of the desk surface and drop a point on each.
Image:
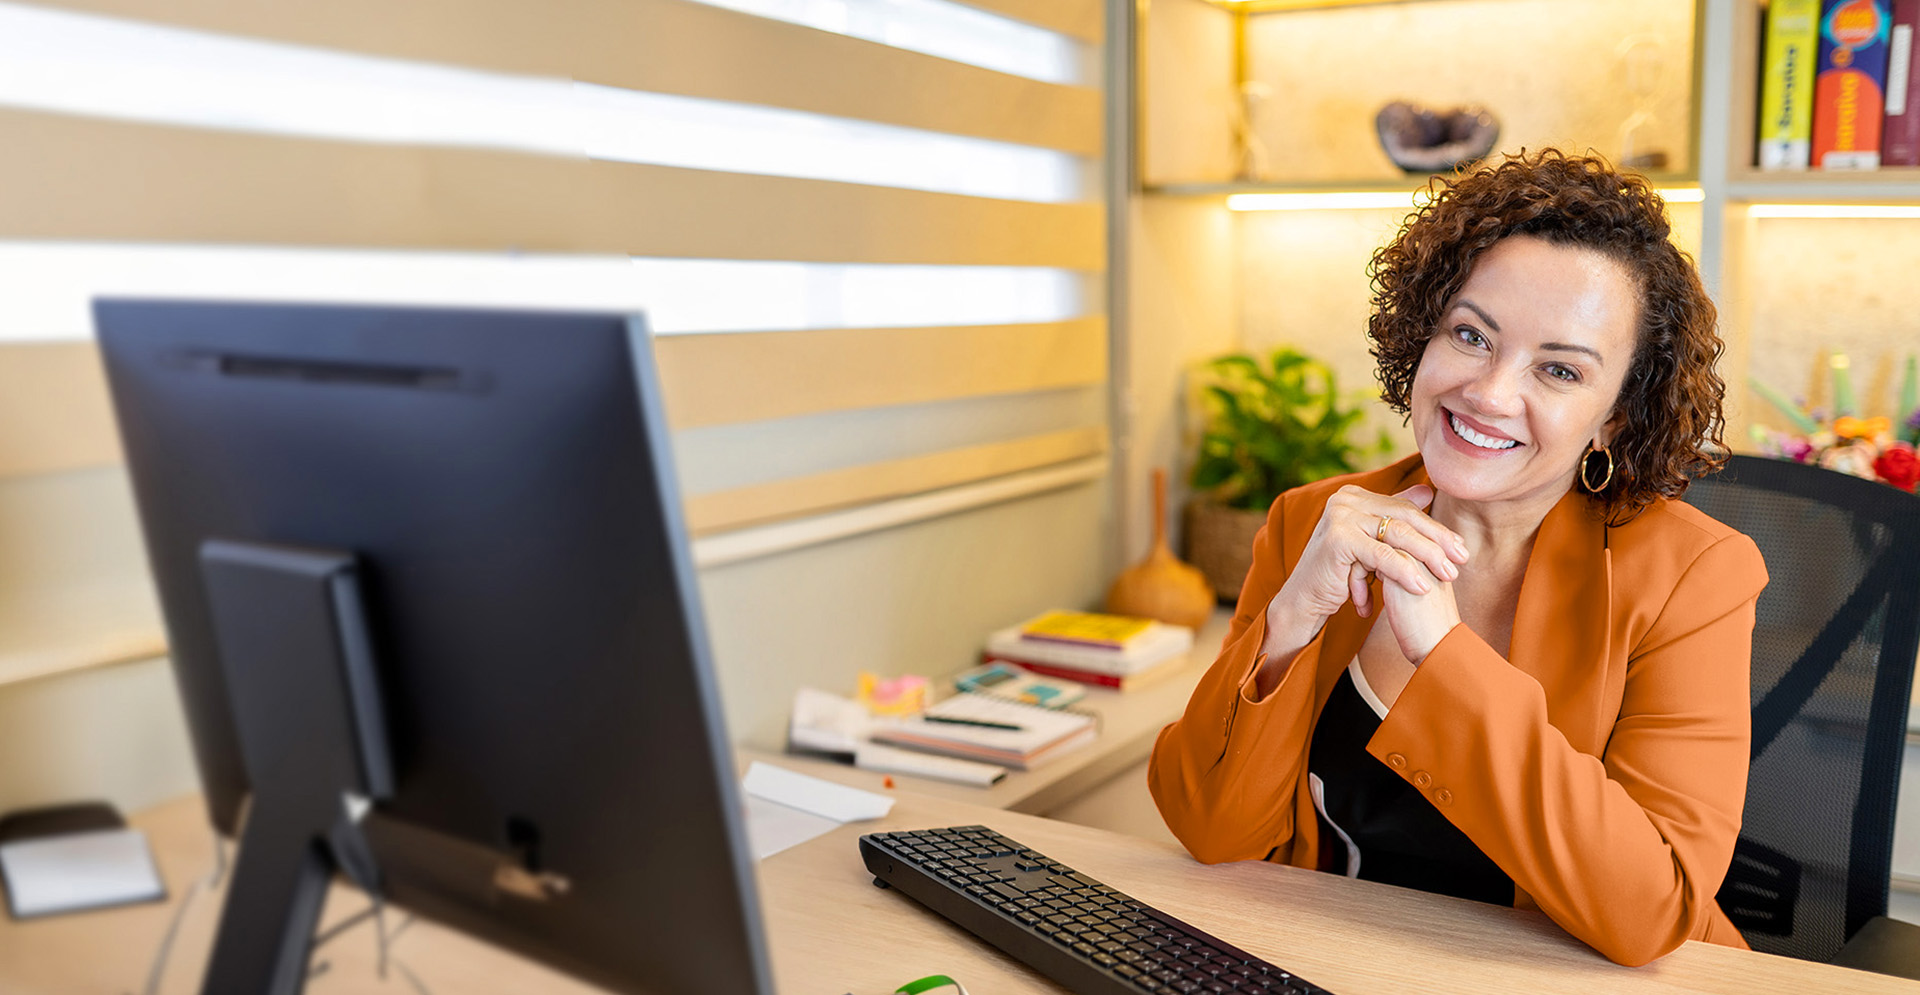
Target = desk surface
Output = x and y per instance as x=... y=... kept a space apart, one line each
x=833 y=932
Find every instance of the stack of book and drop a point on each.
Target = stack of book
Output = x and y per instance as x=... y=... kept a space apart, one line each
x=992 y=730
x=1837 y=85
x=1112 y=651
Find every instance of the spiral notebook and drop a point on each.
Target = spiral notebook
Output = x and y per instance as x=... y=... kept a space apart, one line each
x=996 y=730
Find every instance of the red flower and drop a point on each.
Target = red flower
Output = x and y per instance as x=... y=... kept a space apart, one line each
x=1899 y=466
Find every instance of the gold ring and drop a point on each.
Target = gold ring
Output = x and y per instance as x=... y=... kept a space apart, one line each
x=1380 y=534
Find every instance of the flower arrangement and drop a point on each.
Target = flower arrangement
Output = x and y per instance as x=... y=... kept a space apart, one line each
x=1874 y=448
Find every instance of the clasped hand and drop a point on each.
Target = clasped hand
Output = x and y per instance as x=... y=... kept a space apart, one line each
x=1363 y=534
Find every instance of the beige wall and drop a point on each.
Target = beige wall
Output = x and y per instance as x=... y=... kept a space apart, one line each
x=114 y=733
x=918 y=599
x=1552 y=71
x=1183 y=287
x=1187 y=99
x=1821 y=286
x=1305 y=280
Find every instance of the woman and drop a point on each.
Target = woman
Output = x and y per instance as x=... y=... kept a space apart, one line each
x=1514 y=666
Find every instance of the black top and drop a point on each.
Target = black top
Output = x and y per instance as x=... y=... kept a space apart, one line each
x=1401 y=837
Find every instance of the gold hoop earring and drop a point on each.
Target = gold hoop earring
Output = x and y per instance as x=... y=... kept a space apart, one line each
x=1593 y=488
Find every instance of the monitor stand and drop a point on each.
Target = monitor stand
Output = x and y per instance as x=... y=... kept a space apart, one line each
x=293 y=646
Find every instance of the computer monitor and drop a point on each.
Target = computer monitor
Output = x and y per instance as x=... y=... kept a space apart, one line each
x=431 y=561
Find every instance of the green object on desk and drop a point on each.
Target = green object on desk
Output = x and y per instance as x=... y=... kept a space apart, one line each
x=929 y=983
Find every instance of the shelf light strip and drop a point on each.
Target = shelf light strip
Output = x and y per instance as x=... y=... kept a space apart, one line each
x=1833 y=211
x=1364 y=200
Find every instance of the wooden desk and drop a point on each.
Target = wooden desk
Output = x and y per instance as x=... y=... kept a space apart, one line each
x=833 y=932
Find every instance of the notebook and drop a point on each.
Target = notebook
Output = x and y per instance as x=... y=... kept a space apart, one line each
x=996 y=730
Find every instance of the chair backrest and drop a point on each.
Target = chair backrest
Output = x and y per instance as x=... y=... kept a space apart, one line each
x=1834 y=643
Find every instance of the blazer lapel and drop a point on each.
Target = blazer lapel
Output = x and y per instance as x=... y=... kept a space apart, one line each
x=1561 y=628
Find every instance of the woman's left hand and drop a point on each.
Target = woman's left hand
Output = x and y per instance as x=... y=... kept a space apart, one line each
x=1419 y=621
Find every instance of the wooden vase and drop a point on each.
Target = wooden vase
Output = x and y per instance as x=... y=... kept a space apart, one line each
x=1160 y=586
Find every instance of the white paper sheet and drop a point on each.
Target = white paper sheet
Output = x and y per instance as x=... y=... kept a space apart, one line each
x=772 y=827
x=785 y=808
x=79 y=871
x=811 y=794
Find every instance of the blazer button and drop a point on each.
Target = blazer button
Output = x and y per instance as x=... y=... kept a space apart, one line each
x=1397 y=761
x=1443 y=796
x=1422 y=779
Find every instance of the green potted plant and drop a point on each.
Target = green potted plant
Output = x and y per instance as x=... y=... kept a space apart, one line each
x=1266 y=428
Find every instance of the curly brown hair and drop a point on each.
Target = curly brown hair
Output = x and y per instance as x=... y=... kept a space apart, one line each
x=1671 y=399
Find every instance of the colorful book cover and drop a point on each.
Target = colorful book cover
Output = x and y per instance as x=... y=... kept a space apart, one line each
x=1901 y=146
x=1786 y=84
x=1120 y=682
x=1158 y=643
x=1849 y=95
x=1087 y=628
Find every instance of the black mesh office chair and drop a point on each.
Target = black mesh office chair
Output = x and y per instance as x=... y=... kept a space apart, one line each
x=1833 y=657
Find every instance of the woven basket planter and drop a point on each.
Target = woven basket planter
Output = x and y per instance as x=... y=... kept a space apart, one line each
x=1220 y=543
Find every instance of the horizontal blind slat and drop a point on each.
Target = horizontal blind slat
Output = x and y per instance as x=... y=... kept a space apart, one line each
x=54 y=411
x=666 y=46
x=80 y=178
x=1083 y=19
x=743 y=377
x=824 y=492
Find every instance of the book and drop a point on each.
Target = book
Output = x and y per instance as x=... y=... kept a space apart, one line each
x=1900 y=144
x=1087 y=629
x=994 y=730
x=827 y=723
x=883 y=759
x=1849 y=95
x=1119 y=682
x=1158 y=643
x=1786 y=84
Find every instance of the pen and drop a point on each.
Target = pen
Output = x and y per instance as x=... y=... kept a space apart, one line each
x=974 y=722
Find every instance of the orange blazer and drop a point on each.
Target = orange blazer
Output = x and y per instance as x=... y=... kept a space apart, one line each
x=1603 y=767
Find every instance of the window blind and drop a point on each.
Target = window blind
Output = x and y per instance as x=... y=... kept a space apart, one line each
x=830 y=231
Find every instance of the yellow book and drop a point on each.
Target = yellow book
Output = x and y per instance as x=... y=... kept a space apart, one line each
x=1788 y=67
x=1086 y=629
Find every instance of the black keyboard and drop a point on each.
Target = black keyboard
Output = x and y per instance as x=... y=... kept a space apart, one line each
x=1060 y=922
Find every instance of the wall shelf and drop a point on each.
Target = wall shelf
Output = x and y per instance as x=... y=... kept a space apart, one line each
x=1409 y=186
x=1893 y=185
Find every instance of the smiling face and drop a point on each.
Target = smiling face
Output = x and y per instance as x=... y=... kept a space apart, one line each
x=1523 y=372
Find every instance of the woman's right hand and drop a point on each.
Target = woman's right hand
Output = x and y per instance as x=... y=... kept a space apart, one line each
x=1347 y=545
